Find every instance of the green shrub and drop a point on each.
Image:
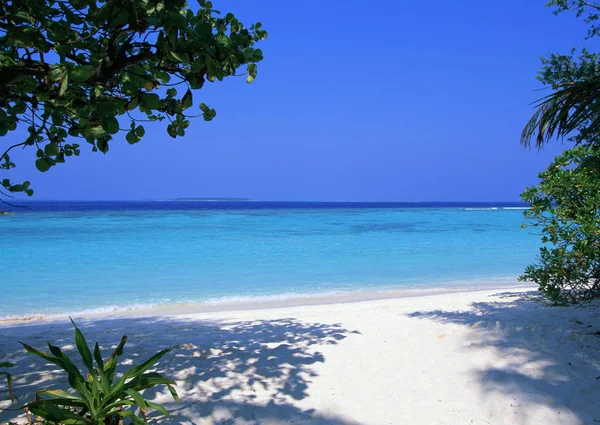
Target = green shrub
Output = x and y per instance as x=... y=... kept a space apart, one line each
x=98 y=398
x=565 y=206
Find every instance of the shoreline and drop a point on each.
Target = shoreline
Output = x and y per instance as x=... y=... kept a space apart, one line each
x=261 y=303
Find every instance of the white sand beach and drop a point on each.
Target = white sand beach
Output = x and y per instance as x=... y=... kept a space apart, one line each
x=477 y=357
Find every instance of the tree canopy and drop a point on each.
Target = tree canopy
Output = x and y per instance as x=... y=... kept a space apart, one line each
x=85 y=72
x=572 y=109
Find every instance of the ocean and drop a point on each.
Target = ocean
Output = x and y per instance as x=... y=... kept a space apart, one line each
x=73 y=257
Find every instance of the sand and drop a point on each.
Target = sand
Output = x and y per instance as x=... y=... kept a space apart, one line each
x=477 y=357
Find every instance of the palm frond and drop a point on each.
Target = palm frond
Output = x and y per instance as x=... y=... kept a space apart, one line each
x=575 y=107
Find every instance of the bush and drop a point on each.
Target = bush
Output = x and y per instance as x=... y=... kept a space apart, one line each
x=97 y=399
x=565 y=206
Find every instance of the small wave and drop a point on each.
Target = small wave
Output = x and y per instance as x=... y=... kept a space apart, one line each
x=516 y=208
x=257 y=299
x=85 y=312
x=172 y=305
x=481 y=209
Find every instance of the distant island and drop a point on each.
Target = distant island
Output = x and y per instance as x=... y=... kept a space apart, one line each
x=212 y=199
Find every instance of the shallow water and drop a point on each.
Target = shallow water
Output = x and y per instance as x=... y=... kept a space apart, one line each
x=73 y=257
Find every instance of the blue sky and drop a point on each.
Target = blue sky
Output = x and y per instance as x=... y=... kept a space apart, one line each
x=374 y=101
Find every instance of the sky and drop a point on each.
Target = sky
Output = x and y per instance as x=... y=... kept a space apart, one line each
x=383 y=100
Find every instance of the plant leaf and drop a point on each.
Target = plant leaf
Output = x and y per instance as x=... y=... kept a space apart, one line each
x=186 y=101
x=9 y=381
x=129 y=414
x=57 y=394
x=111 y=363
x=83 y=349
x=137 y=397
x=138 y=370
x=158 y=407
x=81 y=73
x=48 y=410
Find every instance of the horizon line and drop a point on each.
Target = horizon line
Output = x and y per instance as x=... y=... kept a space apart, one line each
x=216 y=199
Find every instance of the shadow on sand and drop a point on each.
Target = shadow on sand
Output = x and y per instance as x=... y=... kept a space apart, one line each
x=550 y=355
x=228 y=373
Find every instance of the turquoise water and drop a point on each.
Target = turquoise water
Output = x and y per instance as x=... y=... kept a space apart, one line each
x=62 y=258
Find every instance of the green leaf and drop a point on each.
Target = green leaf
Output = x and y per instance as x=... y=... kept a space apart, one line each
x=111 y=125
x=133 y=103
x=82 y=347
x=94 y=131
x=209 y=115
x=150 y=100
x=129 y=414
x=106 y=410
x=137 y=370
x=98 y=357
x=42 y=165
x=252 y=70
x=121 y=18
x=75 y=378
x=139 y=131
x=173 y=392
x=56 y=72
x=9 y=381
x=257 y=55
x=51 y=149
x=179 y=56
x=132 y=137
x=163 y=77
x=48 y=410
x=204 y=30
x=148 y=380
x=64 y=84
x=158 y=407
x=58 y=394
x=137 y=397
x=102 y=145
x=43 y=355
x=111 y=363
x=198 y=64
x=186 y=101
x=81 y=73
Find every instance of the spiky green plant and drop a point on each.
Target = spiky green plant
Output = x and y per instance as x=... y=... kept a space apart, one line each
x=8 y=379
x=100 y=398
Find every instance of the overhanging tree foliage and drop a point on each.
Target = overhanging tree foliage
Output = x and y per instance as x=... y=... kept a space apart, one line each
x=84 y=71
x=573 y=106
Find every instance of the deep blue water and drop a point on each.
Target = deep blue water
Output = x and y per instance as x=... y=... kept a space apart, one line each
x=62 y=257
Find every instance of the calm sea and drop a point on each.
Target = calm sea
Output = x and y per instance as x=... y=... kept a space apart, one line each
x=79 y=256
